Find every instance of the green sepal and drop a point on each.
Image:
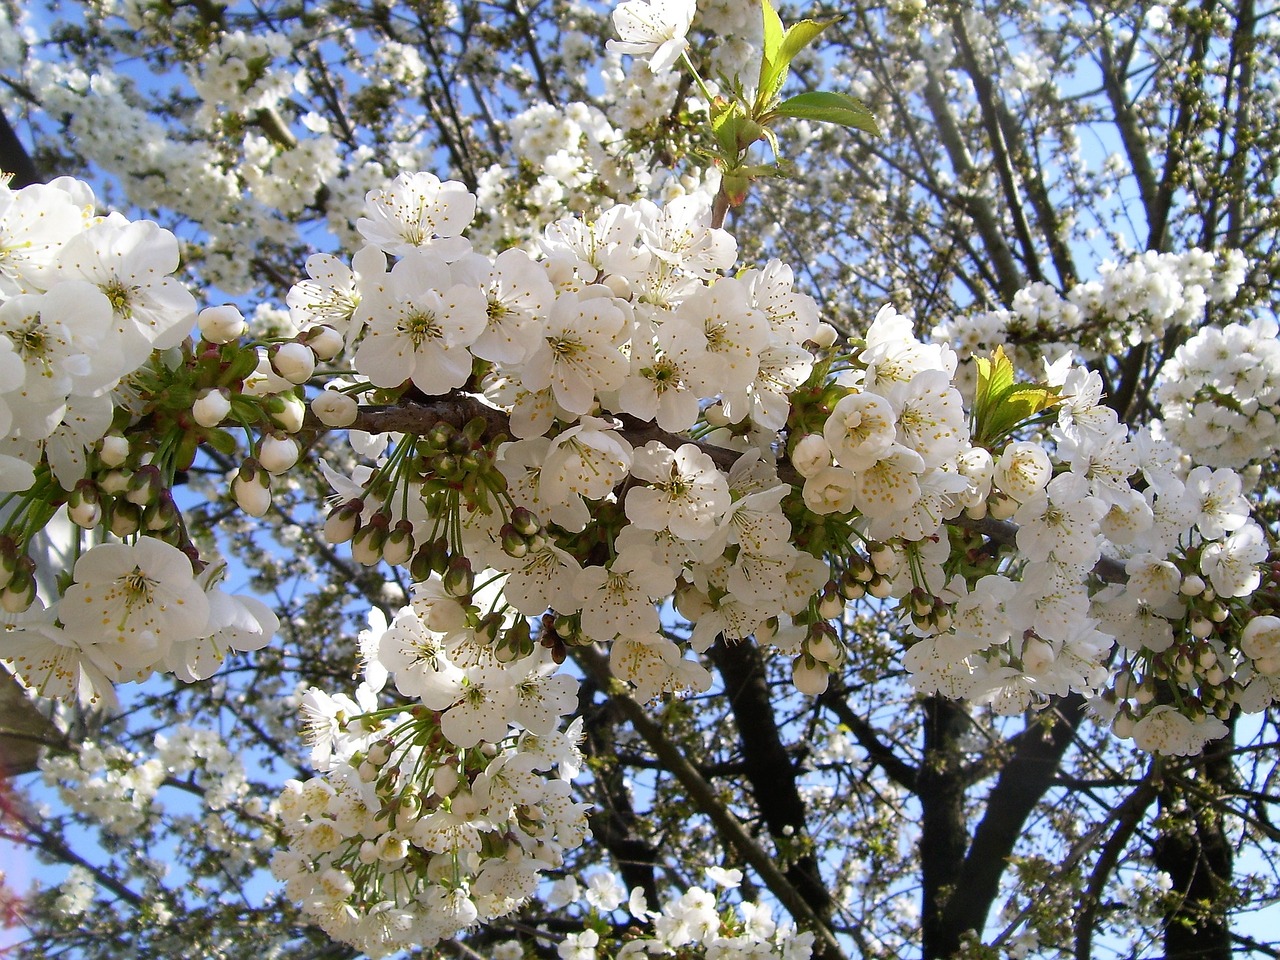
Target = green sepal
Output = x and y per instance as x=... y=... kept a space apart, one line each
x=220 y=440
x=829 y=108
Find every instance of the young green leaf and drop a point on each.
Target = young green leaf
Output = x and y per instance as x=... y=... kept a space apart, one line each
x=773 y=66
x=1000 y=405
x=829 y=108
x=780 y=48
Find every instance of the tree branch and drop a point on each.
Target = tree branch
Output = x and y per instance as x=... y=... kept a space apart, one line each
x=706 y=799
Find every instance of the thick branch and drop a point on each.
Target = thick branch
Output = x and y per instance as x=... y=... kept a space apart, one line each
x=705 y=798
x=770 y=770
x=985 y=90
x=14 y=158
x=976 y=205
x=1022 y=785
x=944 y=829
x=614 y=820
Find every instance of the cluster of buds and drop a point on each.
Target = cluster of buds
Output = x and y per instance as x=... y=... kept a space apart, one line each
x=448 y=470
x=125 y=496
x=863 y=577
x=251 y=386
x=821 y=651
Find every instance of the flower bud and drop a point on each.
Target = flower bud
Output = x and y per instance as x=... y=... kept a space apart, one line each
x=1001 y=507
x=884 y=559
x=125 y=518
x=809 y=676
x=211 y=407
x=115 y=483
x=161 y=515
x=221 y=324
x=444 y=781
x=459 y=580
x=1122 y=725
x=366 y=545
x=21 y=591
x=1192 y=585
x=823 y=645
x=287 y=412
x=114 y=450
x=831 y=605
x=525 y=521
x=618 y=285
x=335 y=409
x=84 y=506
x=293 y=361
x=825 y=336
x=810 y=455
x=880 y=587
x=343 y=522
x=325 y=342
x=399 y=546
x=513 y=545
x=251 y=488
x=465 y=804
x=715 y=416
x=145 y=485
x=278 y=454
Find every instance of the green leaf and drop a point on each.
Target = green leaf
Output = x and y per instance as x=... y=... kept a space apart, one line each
x=780 y=48
x=773 y=34
x=1000 y=405
x=799 y=35
x=773 y=65
x=724 y=127
x=995 y=377
x=829 y=108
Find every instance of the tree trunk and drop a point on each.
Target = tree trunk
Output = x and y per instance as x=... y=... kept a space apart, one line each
x=943 y=829
x=1194 y=850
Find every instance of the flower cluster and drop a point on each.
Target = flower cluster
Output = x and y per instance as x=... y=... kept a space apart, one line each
x=629 y=316
x=429 y=819
x=131 y=609
x=84 y=301
x=1220 y=394
x=1132 y=302
x=694 y=920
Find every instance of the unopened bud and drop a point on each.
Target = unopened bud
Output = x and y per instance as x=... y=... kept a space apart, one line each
x=825 y=336
x=251 y=488
x=335 y=409
x=459 y=580
x=145 y=486
x=278 y=454
x=366 y=545
x=114 y=450
x=84 y=506
x=809 y=676
x=293 y=361
x=287 y=412
x=125 y=518
x=343 y=522
x=324 y=341
x=21 y=591
x=399 y=545
x=221 y=324
x=211 y=407
x=524 y=521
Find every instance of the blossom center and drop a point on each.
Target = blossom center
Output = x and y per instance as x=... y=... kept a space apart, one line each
x=118 y=295
x=420 y=326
